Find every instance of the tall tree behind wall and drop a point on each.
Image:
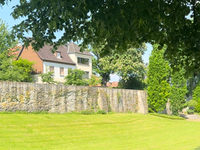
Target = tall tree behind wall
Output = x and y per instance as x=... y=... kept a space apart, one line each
x=157 y=80
x=11 y=69
x=125 y=64
x=6 y=40
x=178 y=91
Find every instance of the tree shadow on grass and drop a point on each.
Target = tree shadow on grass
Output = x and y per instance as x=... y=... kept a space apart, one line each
x=167 y=116
x=198 y=148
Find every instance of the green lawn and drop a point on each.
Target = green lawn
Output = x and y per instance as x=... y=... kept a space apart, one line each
x=96 y=132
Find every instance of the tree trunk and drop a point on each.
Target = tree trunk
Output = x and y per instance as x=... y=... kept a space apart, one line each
x=105 y=79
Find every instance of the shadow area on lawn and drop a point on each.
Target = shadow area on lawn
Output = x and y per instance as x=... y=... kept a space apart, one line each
x=167 y=116
x=198 y=148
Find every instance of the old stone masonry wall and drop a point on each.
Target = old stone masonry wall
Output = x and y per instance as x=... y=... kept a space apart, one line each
x=31 y=97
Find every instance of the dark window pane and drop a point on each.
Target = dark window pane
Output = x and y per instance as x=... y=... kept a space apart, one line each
x=84 y=61
x=51 y=69
x=61 y=71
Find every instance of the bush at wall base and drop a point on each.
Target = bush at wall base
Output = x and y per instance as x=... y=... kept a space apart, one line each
x=47 y=77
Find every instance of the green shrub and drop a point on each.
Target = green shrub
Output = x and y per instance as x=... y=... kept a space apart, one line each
x=192 y=104
x=101 y=112
x=196 y=97
x=87 y=112
x=47 y=77
x=23 y=69
x=15 y=70
x=94 y=80
x=190 y=111
x=197 y=108
x=75 y=77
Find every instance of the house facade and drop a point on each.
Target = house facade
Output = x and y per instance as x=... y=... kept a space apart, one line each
x=65 y=57
x=83 y=59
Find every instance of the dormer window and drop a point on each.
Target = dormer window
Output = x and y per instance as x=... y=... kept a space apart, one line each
x=58 y=55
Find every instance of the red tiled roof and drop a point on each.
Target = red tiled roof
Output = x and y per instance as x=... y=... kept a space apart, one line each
x=115 y=84
x=15 y=51
x=112 y=84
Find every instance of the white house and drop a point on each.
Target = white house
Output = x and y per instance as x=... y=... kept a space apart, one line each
x=65 y=57
x=83 y=60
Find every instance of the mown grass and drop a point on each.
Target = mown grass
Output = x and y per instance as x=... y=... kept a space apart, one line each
x=96 y=132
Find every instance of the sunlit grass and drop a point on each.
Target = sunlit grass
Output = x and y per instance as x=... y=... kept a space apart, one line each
x=97 y=132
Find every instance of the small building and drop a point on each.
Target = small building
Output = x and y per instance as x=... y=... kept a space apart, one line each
x=64 y=58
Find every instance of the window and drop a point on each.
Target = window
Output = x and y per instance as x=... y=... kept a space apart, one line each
x=58 y=55
x=86 y=75
x=84 y=61
x=51 y=69
x=61 y=71
x=46 y=69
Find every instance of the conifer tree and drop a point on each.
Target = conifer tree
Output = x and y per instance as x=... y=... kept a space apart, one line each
x=178 y=91
x=157 y=80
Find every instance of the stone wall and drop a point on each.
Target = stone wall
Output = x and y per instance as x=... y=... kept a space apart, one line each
x=31 y=97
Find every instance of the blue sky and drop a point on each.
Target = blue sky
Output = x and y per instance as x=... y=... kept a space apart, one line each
x=5 y=15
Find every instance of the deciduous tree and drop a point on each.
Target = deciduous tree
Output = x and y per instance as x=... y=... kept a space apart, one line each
x=133 y=82
x=11 y=69
x=125 y=64
x=6 y=40
x=116 y=24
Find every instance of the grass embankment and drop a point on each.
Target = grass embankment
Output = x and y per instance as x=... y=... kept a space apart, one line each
x=97 y=132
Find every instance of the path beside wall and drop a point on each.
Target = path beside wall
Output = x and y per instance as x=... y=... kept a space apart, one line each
x=32 y=97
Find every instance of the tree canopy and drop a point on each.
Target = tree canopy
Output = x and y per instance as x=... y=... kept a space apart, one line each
x=11 y=69
x=116 y=24
x=126 y=64
x=6 y=40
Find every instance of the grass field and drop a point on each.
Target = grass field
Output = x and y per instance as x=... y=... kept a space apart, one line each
x=97 y=132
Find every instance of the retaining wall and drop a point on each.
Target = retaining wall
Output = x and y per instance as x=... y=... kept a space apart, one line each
x=32 y=97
